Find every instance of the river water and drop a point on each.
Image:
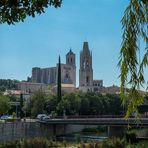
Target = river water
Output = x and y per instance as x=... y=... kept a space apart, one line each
x=78 y=138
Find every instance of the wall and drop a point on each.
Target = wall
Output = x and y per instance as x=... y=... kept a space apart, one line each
x=19 y=130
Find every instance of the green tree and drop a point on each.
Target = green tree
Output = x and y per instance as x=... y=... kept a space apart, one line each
x=36 y=103
x=8 y=84
x=114 y=105
x=132 y=64
x=12 y=11
x=4 y=104
x=51 y=103
x=59 y=94
x=72 y=102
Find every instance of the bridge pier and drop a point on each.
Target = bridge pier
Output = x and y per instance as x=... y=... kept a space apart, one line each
x=54 y=129
x=116 y=131
x=58 y=129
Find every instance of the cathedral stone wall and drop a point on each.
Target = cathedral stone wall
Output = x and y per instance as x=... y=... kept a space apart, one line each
x=49 y=75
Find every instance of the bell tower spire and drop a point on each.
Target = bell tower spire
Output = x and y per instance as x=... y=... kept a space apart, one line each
x=86 y=71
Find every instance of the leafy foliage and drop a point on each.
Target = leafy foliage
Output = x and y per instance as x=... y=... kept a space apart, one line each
x=8 y=84
x=4 y=104
x=135 y=25
x=74 y=104
x=35 y=104
x=70 y=103
x=12 y=11
x=31 y=143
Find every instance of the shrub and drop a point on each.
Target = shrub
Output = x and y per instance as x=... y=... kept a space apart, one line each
x=113 y=143
x=82 y=145
x=131 y=137
x=117 y=143
x=78 y=138
x=31 y=143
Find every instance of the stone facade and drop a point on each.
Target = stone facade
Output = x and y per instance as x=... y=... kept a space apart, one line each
x=44 y=75
x=68 y=88
x=49 y=75
x=27 y=87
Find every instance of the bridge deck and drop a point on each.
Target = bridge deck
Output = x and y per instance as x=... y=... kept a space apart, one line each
x=97 y=121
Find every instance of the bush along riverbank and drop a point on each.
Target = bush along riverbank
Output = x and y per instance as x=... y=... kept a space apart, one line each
x=46 y=143
x=32 y=143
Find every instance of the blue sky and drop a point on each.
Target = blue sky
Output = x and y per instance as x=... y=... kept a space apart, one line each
x=39 y=41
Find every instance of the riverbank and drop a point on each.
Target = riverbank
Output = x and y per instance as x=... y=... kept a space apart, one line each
x=48 y=143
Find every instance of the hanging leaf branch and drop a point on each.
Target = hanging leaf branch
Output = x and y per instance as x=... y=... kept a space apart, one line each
x=135 y=30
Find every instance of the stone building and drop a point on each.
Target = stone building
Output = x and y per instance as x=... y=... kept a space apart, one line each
x=86 y=82
x=49 y=75
x=27 y=87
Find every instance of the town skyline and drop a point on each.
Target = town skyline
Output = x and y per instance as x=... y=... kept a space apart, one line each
x=55 y=32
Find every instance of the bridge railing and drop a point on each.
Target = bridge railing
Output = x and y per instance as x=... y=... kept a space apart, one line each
x=91 y=116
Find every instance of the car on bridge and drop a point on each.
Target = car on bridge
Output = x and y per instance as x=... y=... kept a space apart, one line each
x=5 y=117
x=43 y=117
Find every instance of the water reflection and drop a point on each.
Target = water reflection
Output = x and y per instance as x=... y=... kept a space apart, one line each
x=80 y=138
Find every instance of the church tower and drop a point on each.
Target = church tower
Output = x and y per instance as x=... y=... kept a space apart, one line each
x=69 y=69
x=86 y=71
x=70 y=58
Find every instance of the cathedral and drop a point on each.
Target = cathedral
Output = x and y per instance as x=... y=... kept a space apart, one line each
x=48 y=76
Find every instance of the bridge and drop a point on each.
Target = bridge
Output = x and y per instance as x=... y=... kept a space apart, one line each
x=116 y=125
x=98 y=121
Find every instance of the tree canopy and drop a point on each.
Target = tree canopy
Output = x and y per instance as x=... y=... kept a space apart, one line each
x=12 y=11
x=8 y=84
x=35 y=104
x=79 y=103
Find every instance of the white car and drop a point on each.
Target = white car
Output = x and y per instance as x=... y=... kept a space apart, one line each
x=45 y=118
x=5 y=117
x=40 y=116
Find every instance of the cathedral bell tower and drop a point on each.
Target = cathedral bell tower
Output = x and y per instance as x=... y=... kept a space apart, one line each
x=70 y=58
x=70 y=69
x=86 y=71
